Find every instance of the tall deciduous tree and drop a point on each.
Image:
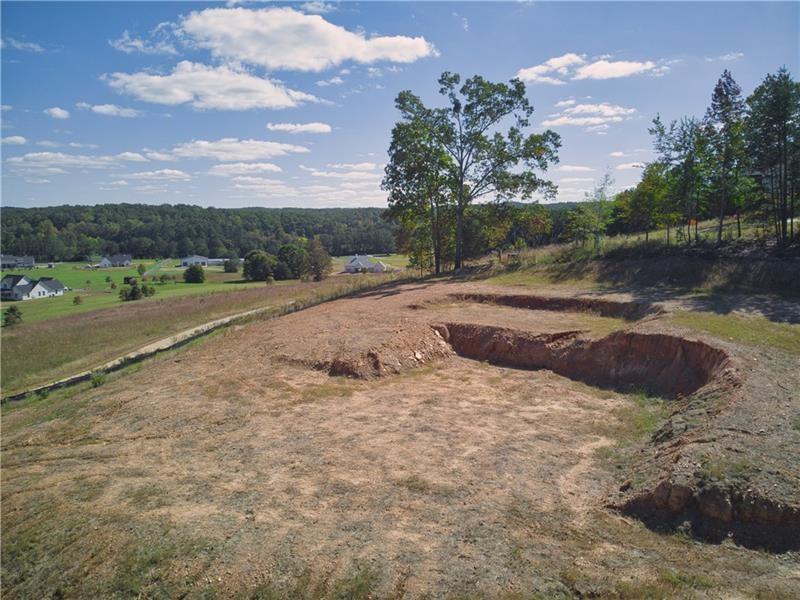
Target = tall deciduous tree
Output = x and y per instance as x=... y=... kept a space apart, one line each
x=485 y=160
x=417 y=178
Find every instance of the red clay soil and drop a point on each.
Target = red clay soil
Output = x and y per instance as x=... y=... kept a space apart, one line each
x=660 y=364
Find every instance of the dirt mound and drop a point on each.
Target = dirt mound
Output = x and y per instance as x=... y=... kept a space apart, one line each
x=607 y=308
x=661 y=364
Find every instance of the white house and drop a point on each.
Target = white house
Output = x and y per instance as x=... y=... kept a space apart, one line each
x=361 y=264
x=117 y=260
x=22 y=287
x=195 y=259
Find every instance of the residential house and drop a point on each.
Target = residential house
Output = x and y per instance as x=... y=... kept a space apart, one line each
x=9 y=261
x=22 y=287
x=365 y=264
x=195 y=259
x=117 y=260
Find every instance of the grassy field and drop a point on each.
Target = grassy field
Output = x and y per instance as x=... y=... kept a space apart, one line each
x=96 y=291
x=57 y=346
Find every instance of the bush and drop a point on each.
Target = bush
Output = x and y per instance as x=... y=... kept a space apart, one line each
x=98 y=378
x=132 y=292
x=148 y=290
x=194 y=274
x=231 y=265
x=141 y=269
x=163 y=278
x=258 y=265
x=77 y=300
x=12 y=316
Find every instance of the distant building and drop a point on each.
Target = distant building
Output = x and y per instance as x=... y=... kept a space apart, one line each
x=365 y=264
x=195 y=259
x=22 y=287
x=117 y=260
x=9 y=261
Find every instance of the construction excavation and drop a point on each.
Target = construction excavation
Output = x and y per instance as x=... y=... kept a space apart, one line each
x=441 y=438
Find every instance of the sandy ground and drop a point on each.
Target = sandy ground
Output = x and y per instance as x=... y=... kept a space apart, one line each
x=454 y=478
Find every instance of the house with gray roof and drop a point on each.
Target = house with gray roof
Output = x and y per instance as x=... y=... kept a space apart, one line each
x=9 y=261
x=22 y=287
x=365 y=264
x=117 y=260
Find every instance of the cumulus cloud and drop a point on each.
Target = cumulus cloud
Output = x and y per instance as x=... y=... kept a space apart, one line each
x=15 y=140
x=317 y=7
x=132 y=45
x=576 y=180
x=232 y=169
x=161 y=175
x=111 y=110
x=58 y=162
x=284 y=38
x=349 y=175
x=9 y=42
x=332 y=81
x=628 y=166
x=57 y=113
x=314 y=127
x=616 y=154
x=572 y=66
x=596 y=117
x=362 y=166
x=574 y=169
x=204 y=87
x=730 y=56
x=131 y=157
x=567 y=102
x=234 y=150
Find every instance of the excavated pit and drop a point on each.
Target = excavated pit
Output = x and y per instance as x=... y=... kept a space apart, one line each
x=630 y=311
x=660 y=364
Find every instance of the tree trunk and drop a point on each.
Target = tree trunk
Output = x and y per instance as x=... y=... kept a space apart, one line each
x=738 y=224
x=721 y=218
x=459 y=237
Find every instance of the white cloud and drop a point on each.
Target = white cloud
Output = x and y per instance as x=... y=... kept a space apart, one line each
x=627 y=166
x=234 y=150
x=204 y=87
x=49 y=144
x=111 y=110
x=317 y=7
x=79 y=145
x=595 y=117
x=353 y=175
x=284 y=38
x=559 y=69
x=605 y=69
x=314 y=127
x=20 y=45
x=131 y=45
x=231 y=169
x=617 y=154
x=362 y=166
x=574 y=169
x=6 y=107
x=730 y=56
x=161 y=175
x=57 y=113
x=131 y=157
x=15 y=140
x=576 y=180
x=119 y=183
x=567 y=102
x=332 y=81
x=464 y=21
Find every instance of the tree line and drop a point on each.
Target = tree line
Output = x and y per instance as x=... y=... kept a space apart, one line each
x=146 y=231
x=740 y=160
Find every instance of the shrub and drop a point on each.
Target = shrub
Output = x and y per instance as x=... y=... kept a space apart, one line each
x=97 y=378
x=141 y=269
x=108 y=278
x=258 y=265
x=132 y=292
x=113 y=285
x=163 y=278
x=148 y=290
x=194 y=274
x=231 y=265
x=77 y=300
x=12 y=316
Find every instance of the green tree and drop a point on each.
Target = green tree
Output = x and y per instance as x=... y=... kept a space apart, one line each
x=646 y=205
x=417 y=179
x=772 y=134
x=258 y=266
x=724 y=127
x=77 y=300
x=296 y=258
x=194 y=274
x=485 y=161
x=141 y=269
x=12 y=316
x=231 y=265
x=319 y=260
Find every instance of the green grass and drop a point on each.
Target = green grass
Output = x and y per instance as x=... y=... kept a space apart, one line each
x=749 y=330
x=97 y=293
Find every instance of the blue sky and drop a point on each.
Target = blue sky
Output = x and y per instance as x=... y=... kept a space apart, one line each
x=276 y=104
